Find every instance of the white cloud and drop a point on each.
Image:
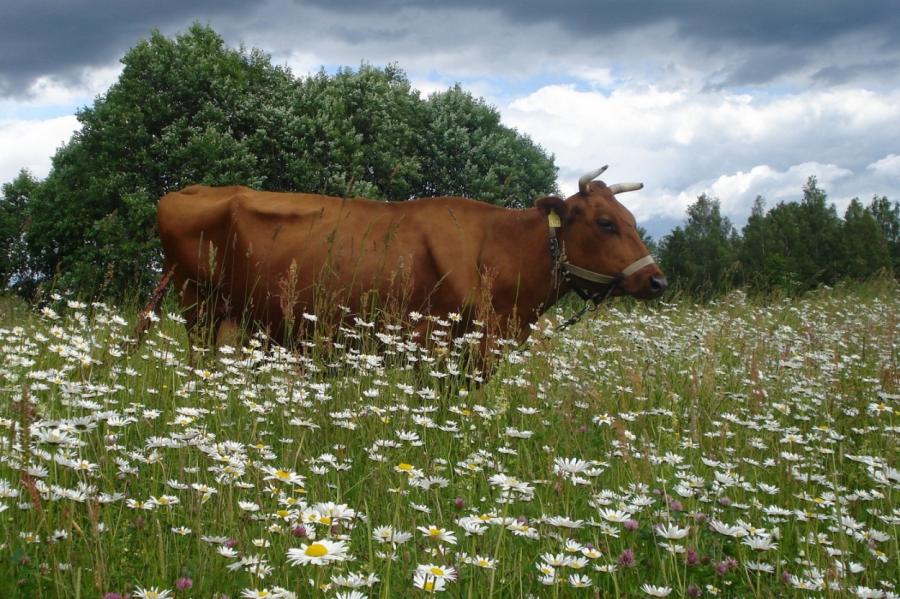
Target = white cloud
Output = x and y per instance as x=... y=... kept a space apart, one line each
x=50 y=91
x=737 y=191
x=34 y=127
x=733 y=146
x=889 y=166
x=31 y=144
x=303 y=64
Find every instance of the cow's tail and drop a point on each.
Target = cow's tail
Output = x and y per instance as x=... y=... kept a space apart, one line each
x=152 y=307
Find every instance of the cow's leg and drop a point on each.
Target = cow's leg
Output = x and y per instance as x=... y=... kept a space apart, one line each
x=199 y=322
x=228 y=332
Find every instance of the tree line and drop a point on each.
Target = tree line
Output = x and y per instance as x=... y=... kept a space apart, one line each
x=791 y=247
x=189 y=110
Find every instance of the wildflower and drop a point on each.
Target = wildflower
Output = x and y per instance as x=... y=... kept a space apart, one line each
x=184 y=583
x=626 y=558
x=285 y=476
x=727 y=529
x=409 y=469
x=354 y=581
x=319 y=553
x=387 y=534
x=655 y=591
x=570 y=466
x=564 y=522
x=435 y=571
x=759 y=543
x=590 y=552
x=614 y=515
x=472 y=526
x=580 y=581
x=484 y=562
x=428 y=583
x=557 y=561
x=760 y=567
x=438 y=534
x=151 y=593
x=672 y=532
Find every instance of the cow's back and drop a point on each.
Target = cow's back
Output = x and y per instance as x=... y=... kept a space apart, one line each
x=263 y=252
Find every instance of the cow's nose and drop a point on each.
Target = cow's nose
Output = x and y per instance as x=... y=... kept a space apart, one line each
x=658 y=284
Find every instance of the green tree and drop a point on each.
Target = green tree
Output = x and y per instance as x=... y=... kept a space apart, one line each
x=755 y=247
x=15 y=198
x=887 y=215
x=817 y=242
x=185 y=110
x=469 y=153
x=700 y=257
x=357 y=133
x=189 y=110
x=865 y=250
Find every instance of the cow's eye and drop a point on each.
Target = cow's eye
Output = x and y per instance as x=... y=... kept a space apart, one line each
x=606 y=224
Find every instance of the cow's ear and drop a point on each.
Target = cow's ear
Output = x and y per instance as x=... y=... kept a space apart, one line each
x=550 y=205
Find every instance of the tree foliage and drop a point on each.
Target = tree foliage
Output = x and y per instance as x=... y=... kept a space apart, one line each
x=701 y=255
x=14 y=219
x=189 y=110
x=793 y=247
x=887 y=215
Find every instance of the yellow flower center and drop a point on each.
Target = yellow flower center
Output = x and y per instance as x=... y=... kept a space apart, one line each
x=316 y=550
x=405 y=467
x=326 y=520
x=283 y=513
x=429 y=585
x=437 y=571
x=282 y=474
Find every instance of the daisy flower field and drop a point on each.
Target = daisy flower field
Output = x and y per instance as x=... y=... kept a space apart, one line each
x=742 y=448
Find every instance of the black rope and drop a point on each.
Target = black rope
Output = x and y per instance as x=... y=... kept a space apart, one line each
x=592 y=300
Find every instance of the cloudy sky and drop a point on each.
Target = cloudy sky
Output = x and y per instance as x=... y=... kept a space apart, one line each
x=736 y=99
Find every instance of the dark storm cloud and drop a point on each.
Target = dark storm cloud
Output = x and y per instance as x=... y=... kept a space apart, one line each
x=795 y=23
x=761 y=40
x=60 y=38
x=756 y=41
x=878 y=70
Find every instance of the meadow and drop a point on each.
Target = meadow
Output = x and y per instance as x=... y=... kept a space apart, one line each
x=741 y=448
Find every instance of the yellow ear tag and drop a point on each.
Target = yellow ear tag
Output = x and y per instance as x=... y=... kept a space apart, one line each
x=553 y=219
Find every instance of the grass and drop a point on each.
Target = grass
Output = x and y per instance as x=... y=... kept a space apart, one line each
x=736 y=449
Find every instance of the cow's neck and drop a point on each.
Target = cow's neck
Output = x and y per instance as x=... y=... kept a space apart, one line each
x=530 y=286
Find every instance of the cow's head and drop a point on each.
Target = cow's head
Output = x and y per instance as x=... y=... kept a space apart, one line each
x=598 y=234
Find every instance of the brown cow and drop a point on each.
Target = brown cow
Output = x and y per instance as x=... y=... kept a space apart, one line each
x=265 y=257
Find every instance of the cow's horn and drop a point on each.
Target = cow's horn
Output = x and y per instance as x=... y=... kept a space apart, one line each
x=623 y=187
x=585 y=180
